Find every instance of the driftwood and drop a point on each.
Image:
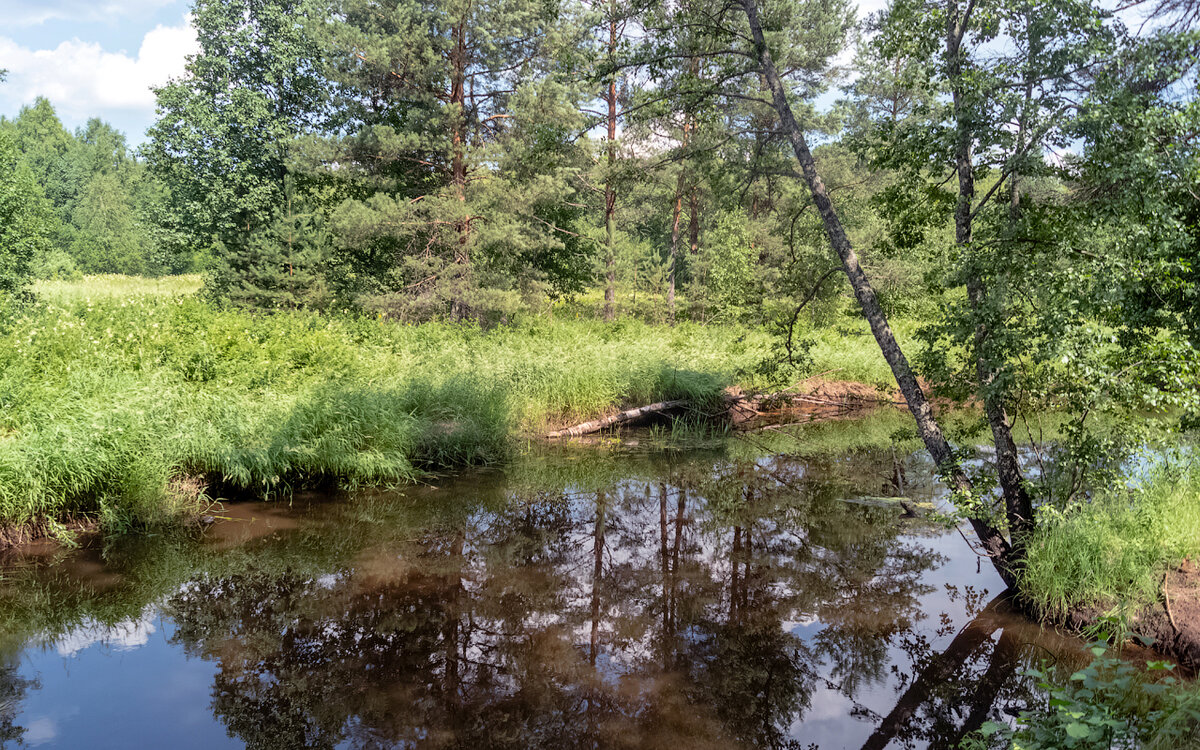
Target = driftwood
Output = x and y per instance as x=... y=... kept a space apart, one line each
x=742 y=407
x=629 y=415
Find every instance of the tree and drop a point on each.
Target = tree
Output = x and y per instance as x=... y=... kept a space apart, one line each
x=26 y=219
x=225 y=130
x=282 y=266
x=108 y=236
x=424 y=94
x=927 y=426
x=44 y=142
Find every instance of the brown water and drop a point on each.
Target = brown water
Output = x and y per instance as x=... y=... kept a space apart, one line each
x=601 y=596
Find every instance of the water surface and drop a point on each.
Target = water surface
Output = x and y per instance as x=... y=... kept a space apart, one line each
x=596 y=596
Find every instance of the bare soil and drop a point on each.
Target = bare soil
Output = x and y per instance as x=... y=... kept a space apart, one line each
x=1173 y=622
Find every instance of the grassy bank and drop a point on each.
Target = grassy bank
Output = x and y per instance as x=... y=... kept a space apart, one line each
x=108 y=398
x=1115 y=549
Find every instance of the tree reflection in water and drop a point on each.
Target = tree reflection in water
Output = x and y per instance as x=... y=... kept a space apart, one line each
x=590 y=600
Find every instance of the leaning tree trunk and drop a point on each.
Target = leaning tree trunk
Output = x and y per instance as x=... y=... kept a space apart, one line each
x=990 y=537
x=1018 y=505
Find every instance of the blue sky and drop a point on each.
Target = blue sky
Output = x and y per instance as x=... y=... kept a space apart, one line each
x=92 y=58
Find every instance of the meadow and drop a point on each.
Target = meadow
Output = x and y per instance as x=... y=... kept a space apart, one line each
x=122 y=396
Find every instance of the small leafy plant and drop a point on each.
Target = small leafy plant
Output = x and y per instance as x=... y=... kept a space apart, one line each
x=1110 y=703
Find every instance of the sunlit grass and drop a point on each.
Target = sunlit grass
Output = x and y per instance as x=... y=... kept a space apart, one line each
x=112 y=386
x=848 y=351
x=107 y=397
x=115 y=285
x=1116 y=548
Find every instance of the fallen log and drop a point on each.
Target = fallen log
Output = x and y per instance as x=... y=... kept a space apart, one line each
x=629 y=415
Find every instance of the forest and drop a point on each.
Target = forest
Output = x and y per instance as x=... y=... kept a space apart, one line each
x=368 y=245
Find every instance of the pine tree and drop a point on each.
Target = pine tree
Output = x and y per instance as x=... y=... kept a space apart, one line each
x=424 y=93
x=45 y=143
x=282 y=266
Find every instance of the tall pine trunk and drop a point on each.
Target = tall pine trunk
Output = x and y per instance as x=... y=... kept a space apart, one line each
x=458 y=165
x=990 y=537
x=676 y=215
x=610 y=193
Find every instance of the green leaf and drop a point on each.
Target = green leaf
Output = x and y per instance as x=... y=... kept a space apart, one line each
x=989 y=728
x=1078 y=731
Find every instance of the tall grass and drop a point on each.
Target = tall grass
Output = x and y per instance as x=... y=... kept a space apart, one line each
x=109 y=397
x=849 y=352
x=1116 y=548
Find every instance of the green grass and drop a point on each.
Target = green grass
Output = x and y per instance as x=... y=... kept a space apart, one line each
x=844 y=351
x=1115 y=549
x=110 y=391
x=848 y=352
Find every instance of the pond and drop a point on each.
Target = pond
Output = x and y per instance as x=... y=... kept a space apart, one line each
x=607 y=595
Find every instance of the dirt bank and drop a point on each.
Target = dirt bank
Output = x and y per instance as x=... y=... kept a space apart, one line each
x=1173 y=622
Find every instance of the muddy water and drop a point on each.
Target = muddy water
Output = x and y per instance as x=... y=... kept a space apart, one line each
x=599 y=596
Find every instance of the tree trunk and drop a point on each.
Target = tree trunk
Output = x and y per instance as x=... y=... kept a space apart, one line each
x=1017 y=502
x=597 y=574
x=610 y=193
x=937 y=670
x=629 y=415
x=927 y=427
x=676 y=215
x=665 y=569
x=458 y=164
x=694 y=221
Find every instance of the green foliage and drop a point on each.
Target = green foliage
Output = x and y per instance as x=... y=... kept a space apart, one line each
x=226 y=129
x=453 y=208
x=1110 y=703
x=26 y=221
x=107 y=399
x=281 y=266
x=728 y=264
x=1115 y=548
x=109 y=238
x=99 y=194
x=43 y=140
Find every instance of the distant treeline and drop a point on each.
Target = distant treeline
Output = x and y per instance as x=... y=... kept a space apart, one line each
x=443 y=159
x=90 y=206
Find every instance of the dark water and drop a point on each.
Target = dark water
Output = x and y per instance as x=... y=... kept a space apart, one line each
x=584 y=597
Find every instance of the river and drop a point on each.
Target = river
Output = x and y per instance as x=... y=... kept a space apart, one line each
x=629 y=594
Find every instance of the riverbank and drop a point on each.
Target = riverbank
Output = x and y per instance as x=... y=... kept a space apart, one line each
x=1130 y=555
x=129 y=402
x=119 y=390
x=110 y=400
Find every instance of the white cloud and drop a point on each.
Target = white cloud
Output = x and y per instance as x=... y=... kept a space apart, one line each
x=81 y=79
x=40 y=731
x=122 y=636
x=25 y=13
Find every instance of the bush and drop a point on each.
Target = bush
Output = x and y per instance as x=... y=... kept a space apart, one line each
x=1110 y=703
